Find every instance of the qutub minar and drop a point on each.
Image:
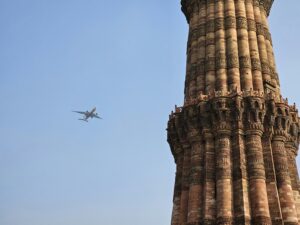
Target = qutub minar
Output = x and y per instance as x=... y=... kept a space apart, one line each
x=235 y=139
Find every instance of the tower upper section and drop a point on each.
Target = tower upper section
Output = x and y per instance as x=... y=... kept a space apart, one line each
x=229 y=47
x=188 y=5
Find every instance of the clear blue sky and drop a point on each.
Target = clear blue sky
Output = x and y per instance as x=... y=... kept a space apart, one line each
x=128 y=59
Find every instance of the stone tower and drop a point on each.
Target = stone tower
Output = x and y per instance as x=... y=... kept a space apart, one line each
x=235 y=139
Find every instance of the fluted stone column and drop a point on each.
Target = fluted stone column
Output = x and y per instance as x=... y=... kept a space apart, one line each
x=259 y=201
x=192 y=56
x=240 y=177
x=253 y=45
x=221 y=71
x=202 y=48
x=222 y=129
x=210 y=63
x=240 y=183
x=193 y=52
x=209 y=182
x=224 y=175
x=292 y=147
x=286 y=197
x=271 y=182
x=261 y=42
x=196 y=181
x=270 y=51
x=184 y=200
x=177 y=192
x=291 y=152
x=243 y=45
x=257 y=177
x=232 y=47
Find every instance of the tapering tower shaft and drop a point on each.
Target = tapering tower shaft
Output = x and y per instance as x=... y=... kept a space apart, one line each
x=235 y=139
x=229 y=47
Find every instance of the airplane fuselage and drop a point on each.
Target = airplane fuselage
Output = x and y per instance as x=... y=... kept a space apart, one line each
x=88 y=114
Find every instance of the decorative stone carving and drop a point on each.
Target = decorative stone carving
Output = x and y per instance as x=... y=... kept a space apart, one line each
x=230 y=22
x=242 y=23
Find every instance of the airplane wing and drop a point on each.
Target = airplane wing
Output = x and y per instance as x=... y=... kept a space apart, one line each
x=98 y=117
x=79 y=112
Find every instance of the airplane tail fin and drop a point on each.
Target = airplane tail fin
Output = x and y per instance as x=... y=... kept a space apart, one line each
x=84 y=120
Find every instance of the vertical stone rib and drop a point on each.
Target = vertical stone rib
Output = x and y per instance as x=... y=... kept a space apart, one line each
x=188 y=66
x=291 y=155
x=202 y=47
x=224 y=179
x=261 y=43
x=253 y=44
x=271 y=57
x=233 y=71
x=257 y=178
x=177 y=192
x=292 y=147
x=291 y=151
x=196 y=181
x=193 y=54
x=210 y=62
x=243 y=45
x=209 y=183
x=221 y=72
x=185 y=184
x=273 y=197
x=286 y=197
x=240 y=178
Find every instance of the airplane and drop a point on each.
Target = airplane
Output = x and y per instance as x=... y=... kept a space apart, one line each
x=92 y=114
